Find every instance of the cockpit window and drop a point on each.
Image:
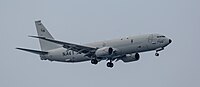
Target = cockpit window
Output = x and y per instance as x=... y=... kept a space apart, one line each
x=160 y=36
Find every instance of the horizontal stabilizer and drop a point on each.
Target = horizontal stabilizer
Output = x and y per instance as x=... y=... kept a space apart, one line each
x=40 y=37
x=33 y=51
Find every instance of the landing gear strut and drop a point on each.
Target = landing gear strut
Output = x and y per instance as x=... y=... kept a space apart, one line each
x=159 y=49
x=94 y=61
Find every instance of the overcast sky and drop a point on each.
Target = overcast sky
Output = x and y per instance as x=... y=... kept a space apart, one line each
x=84 y=21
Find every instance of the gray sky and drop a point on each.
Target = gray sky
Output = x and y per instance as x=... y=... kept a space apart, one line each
x=84 y=21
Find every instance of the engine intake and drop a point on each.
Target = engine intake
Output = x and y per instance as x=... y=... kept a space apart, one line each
x=131 y=57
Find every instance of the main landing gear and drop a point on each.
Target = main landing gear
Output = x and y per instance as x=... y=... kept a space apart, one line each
x=94 y=61
x=110 y=64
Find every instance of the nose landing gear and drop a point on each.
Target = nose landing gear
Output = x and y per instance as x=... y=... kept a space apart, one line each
x=156 y=54
x=159 y=49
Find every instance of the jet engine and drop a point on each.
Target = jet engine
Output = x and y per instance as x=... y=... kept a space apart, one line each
x=131 y=57
x=104 y=52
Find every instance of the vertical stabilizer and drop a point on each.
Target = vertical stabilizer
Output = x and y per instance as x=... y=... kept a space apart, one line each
x=42 y=31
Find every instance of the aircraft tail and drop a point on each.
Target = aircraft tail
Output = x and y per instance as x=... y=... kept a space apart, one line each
x=42 y=31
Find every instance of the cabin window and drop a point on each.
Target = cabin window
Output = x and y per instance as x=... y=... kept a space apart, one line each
x=131 y=40
x=160 y=41
x=160 y=36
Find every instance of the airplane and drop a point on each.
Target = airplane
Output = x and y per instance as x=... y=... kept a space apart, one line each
x=126 y=49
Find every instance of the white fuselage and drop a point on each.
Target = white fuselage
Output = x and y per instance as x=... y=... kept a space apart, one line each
x=128 y=45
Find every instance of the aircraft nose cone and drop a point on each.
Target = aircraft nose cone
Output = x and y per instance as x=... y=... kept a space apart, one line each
x=170 y=40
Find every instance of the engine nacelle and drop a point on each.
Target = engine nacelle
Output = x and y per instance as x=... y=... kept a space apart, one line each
x=104 y=52
x=131 y=57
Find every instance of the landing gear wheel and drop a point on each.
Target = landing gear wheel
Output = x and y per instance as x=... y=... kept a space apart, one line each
x=156 y=54
x=94 y=61
x=110 y=64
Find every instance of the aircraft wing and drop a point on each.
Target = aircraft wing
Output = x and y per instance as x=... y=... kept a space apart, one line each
x=89 y=51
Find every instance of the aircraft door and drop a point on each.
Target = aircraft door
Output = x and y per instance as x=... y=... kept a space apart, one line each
x=152 y=39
